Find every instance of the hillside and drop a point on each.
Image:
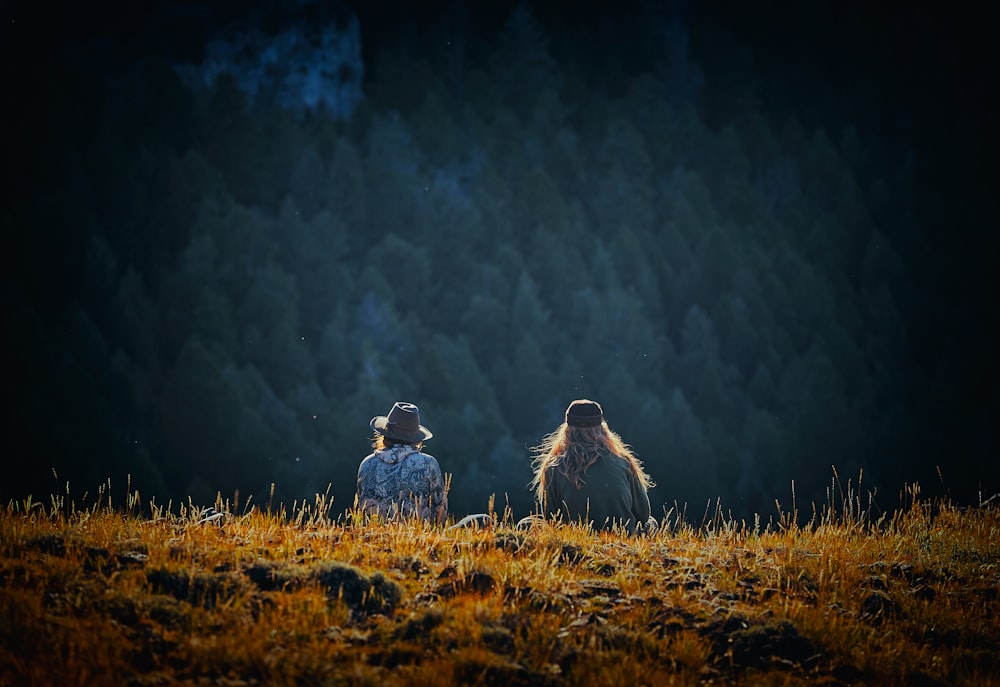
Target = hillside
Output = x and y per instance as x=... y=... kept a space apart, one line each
x=92 y=595
x=759 y=243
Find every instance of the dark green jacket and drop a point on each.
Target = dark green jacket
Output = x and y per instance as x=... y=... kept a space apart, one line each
x=610 y=495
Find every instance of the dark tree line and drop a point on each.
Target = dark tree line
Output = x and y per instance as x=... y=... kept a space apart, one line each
x=217 y=295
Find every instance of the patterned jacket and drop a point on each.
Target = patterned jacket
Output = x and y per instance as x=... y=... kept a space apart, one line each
x=402 y=481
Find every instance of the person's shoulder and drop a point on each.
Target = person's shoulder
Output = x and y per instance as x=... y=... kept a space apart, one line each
x=424 y=462
x=617 y=462
x=425 y=457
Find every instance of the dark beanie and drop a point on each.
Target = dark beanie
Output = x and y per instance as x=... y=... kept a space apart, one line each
x=584 y=413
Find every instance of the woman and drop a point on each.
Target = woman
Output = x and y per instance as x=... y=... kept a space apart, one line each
x=398 y=479
x=585 y=473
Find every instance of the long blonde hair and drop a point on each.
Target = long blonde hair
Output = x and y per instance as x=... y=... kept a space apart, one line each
x=572 y=450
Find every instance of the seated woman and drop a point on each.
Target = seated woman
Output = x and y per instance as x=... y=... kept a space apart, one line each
x=585 y=473
x=398 y=479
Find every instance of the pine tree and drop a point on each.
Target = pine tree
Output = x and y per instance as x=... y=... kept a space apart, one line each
x=536 y=204
x=203 y=429
x=395 y=181
x=403 y=265
x=699 y=347
x=434 y=126
x=194 y=304
x=522 y=66
x=336 y=358
x=741 y=343
x=668 y=37
x=270 y=334
x=347 y=195
x=688 y=475
x=315 y=253
x=527 y=313
x=558 y=267
x=527 y=389
x=190 y=180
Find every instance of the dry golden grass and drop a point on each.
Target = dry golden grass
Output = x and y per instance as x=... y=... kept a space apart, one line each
x=97 y=595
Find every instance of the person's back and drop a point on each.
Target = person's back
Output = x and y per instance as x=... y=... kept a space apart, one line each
x=401 y=481
x=610 y=494
x=398 y=479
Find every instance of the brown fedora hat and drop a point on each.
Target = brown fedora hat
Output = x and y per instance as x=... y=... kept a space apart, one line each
x=403 y=423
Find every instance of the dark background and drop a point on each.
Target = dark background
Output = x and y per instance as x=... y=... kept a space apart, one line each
x=762 y=237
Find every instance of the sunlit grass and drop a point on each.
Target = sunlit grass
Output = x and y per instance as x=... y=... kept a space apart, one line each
x=145 y=594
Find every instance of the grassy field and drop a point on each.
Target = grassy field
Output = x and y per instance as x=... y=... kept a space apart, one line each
x=100 y=595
